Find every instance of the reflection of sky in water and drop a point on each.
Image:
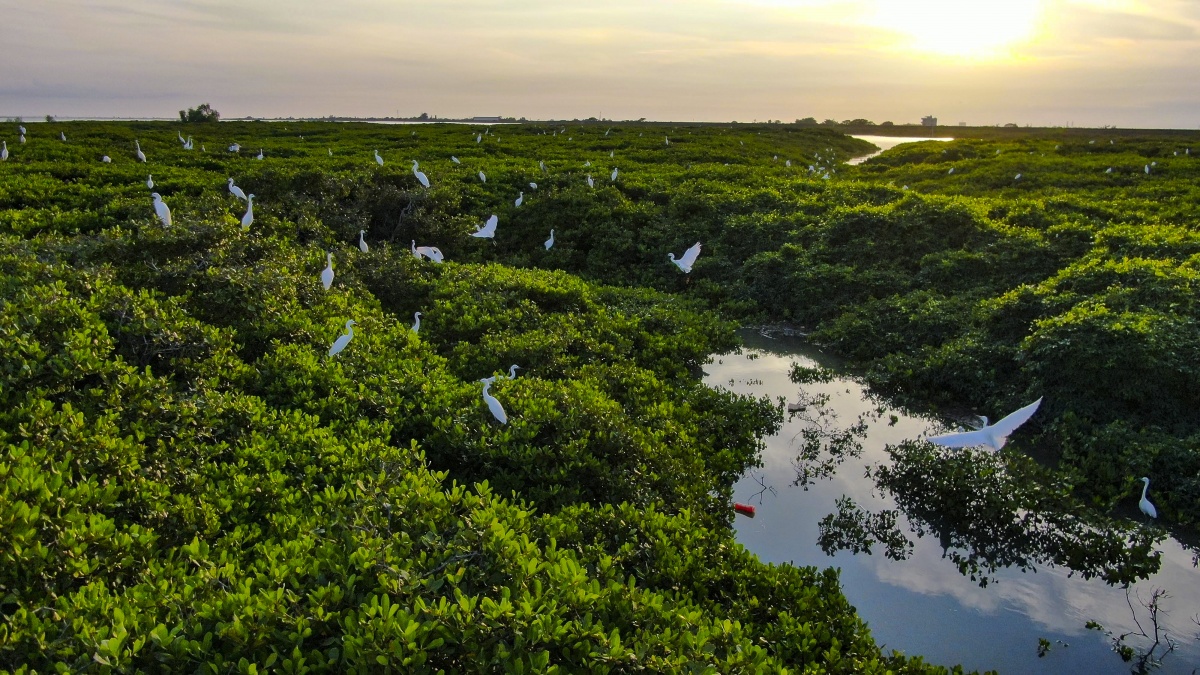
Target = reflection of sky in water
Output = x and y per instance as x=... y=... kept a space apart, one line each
x=922 y=605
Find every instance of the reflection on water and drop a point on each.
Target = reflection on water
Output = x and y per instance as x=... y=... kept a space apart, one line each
x=920 y=603
x=885 y=143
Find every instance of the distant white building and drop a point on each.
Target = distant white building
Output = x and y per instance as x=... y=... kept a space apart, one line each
x=929 y=121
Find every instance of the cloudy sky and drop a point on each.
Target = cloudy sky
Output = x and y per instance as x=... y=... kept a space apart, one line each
x=1042 y=62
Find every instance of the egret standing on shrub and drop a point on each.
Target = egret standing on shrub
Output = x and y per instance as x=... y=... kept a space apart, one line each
x=340 y=343
x=248 y=219
x=424 y=180
x=519 y=200
x=140 y=155
x=994 y=436
x=362 y=243
x=327 y=273
x=3 y=151
x=378 y=159
x=550 y=241
x=488 y=229
x=1145 y=505
x=416 y=327
x=160 y=208
x=688 y=258
x=492 y=404
x=150 y=181
x=236 y=191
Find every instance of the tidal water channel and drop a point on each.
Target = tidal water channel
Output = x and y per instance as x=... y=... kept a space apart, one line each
x=923 y=605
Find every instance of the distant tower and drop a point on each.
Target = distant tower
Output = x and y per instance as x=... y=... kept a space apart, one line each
x=929 y=121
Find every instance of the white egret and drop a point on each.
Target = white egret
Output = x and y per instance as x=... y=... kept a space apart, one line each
x=22 y=139
x=542 y=165
x=1108 y=170
x=512 y=371
x=1145 y=505
x=340 y=343
x=431 y=252
x=788 y=163
x=550 y=241
x=606 y=132
x=424 y=180
x=482 y=177
x=488 y=229
x=1018 y=177
x=666 y=141
x=416 y=327
x=613 y=177
x=150 y=181
x=160 y=208
x=610 y=154
x=236 y=191
x=587 y=163
x=260 y=155
x=327 y=273
x=235 y=148
x=520 y=198
x=533 y=186
x=492 y=404
x=140 y=155
x=248 y=219
x=362 y=243
x=994 y=436
x=590 y=182
x=188 y=145
x=21 y=129
x=950 y=171
x=106 y=159
x=1147 y=169
x=62 y=135
x=688 y=258
x=330 y=151
x=454 y=159
x=3 y=151
x=479 y=138
x=378 y=159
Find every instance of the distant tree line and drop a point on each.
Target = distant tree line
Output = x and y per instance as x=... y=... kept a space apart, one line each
x=202 y=113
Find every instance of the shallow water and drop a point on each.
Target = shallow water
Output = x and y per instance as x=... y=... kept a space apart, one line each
x=885 y=143
x=923 y=605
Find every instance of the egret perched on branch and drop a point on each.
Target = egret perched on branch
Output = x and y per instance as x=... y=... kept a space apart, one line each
x=688 y=258
x=362 y=243
x=150 y=181
x=424 y=180
x=248 y=219
x=613 y=177
x=21 y=129
x=327 y=273
x=140 y=155
x=340 y=343
x=416 y=327
x=378 y=159
x=1145 y=505
x=160 y=208
x=520 y=198
x=993 y=436
x=590 y=182
x=236 y=191
x=488 y=229
x=550 y=241
x=492 y=404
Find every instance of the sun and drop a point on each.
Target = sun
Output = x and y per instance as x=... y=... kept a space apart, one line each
x=967 y=28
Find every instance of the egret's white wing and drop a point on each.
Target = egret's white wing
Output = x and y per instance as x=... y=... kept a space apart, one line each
x=690 y=255
x=966 y=439
x=1009 y=424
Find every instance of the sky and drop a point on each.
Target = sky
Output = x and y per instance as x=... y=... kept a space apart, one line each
x=1085 y=63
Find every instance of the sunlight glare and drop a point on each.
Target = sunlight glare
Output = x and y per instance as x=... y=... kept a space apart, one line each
x=976 y=29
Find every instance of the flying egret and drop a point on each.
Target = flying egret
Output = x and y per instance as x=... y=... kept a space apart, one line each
x=688 y=258
x=1145 y=505
x=590 y=182
x=340 y=343
x=140 y=155
x=235 y=148
x=3 y=151
x=160 y=208
x=994 y=436
x=362 y=243
x=488 y=229
x=550 y=241
x=420 y=175
x=520 y=198
x=236 y=191
x=454 y=159
x=327 y=273
x=431 y=252
x=613 y=177
x=260 y=155
x=106 y=159
x=248 y=219
x=492 y=404
x=150 y=181
x=482 y=177
x=533 y=186
x=416 y=327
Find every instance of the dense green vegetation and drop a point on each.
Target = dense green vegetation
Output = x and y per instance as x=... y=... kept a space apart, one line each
x=189 y=482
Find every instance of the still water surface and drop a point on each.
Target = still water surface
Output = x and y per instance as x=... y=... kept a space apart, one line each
x=923 y=605
x=887 y=143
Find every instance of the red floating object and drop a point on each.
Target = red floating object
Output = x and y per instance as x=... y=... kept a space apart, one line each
x=744 y=509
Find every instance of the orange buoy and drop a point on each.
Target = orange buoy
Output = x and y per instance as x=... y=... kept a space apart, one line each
x=744 y=509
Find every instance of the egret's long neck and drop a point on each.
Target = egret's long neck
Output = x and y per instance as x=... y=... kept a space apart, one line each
x=1145 y=486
